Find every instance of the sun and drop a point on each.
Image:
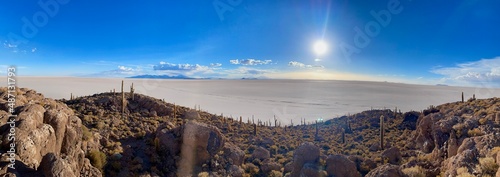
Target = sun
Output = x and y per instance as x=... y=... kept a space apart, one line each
x=320 y=47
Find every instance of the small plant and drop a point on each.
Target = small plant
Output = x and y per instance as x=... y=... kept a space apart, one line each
x=463 y=172
x=415 y=171
x=97 y=159
x=474 y=132
x=275 y=173
x=203 y=174
x=87 y=135
x=487 y=166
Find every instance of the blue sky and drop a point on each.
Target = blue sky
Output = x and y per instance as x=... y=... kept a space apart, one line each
x=426 y=42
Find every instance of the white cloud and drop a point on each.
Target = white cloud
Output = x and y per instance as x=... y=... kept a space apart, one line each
x=215 y=64
x=33 y=50
x=250 y=62
x=484 y=71
x=123 y=68
x=165 y=66
x=121 y=71
x=302 y=65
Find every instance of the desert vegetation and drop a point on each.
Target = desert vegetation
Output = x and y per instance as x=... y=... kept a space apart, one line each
x=130 y=134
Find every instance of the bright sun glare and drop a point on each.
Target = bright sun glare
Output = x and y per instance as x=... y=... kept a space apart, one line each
x=320 y=47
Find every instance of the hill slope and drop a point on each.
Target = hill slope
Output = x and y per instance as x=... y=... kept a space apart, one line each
x=156 y=138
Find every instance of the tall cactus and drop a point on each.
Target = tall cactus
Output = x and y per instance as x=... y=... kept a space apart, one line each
x=317 y=130
x=255 y=129
x=123 y=101
x=71 y=98
x=382 y=132
x=343 y=136
x=175 y=111
x=462 y=97
x=497 y=118
x=275 y=121
x=132 y=91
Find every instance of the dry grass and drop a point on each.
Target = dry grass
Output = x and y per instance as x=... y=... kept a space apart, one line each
x=415 y=171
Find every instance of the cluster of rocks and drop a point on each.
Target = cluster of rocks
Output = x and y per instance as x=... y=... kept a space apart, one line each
x=48 y=138
x=446 y=135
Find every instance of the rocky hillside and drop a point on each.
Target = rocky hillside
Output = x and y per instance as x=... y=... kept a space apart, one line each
x=48 y=138
x=156 y=138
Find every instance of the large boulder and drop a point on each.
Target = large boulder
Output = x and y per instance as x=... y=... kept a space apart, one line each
x=387 y=170
x=433 y=131
x=306 y=153
x=392 y=155
x=339 y=165
x=312 y=170
x=191 y=115
x=235 y=171
x=233 y=154
x=409 y=121
x=466 y=158
x=48 y=136
x=200 y=142
x=261 y=153
x=267 y=166
x=53 y=166
x=33 y=145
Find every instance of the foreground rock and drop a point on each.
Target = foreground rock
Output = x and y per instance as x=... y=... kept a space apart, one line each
x=387 y=170
x=306 y=153
x=47 y=131
x=195 y=145
x=339 y=165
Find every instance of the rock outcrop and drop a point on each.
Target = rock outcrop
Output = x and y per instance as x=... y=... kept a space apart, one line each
x=392 y=155
x=387 y=170
x=194 y=143
x=339 y=165
x=261 y=154
x=304 y=154
x=47 y=130
x=409 y=121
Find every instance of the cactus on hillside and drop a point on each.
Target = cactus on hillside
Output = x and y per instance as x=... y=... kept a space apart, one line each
x=317 y=129
x=343 y=136
x=132 y=91
x=497 y=118
x=462 y=97
x=382 y=132
x=175 y=111
x=123 y=101
x=255 y=129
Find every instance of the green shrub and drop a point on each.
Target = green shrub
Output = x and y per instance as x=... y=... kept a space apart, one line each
x=487 y=166
x=415 y=171
x=97 y=159
x=87 y=135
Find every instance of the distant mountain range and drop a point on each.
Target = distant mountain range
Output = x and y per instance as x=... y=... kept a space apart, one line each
x=148 y=76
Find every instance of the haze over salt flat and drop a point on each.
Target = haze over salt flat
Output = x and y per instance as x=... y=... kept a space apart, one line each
x=287 y=99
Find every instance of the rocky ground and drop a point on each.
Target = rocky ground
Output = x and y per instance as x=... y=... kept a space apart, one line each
x=89 y=136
